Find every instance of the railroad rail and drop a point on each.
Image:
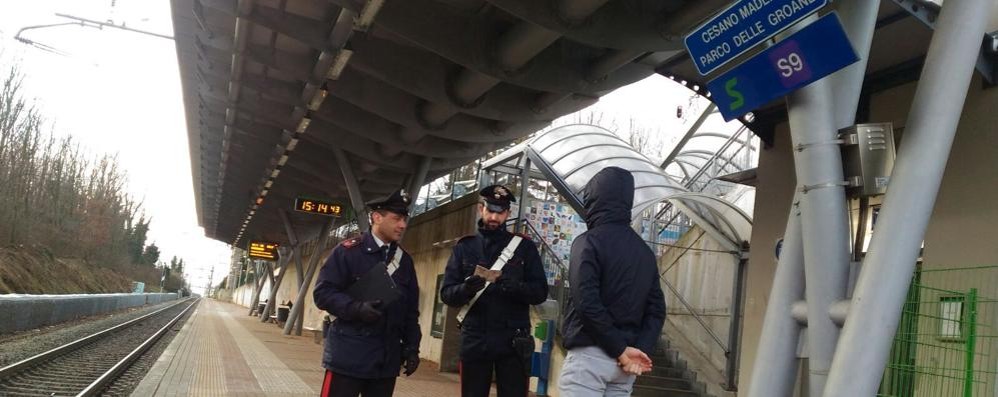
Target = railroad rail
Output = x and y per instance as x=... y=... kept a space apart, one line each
x=86 y=366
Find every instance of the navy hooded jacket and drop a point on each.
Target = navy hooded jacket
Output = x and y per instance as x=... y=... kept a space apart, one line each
x=616 y=300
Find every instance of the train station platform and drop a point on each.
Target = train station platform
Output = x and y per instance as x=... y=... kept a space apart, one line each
x=221 y=351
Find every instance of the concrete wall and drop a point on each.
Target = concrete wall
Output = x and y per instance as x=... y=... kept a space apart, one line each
x=774 y=192
x=960 y=228
x=430 y=239
x=25 y=312
x=964 y=211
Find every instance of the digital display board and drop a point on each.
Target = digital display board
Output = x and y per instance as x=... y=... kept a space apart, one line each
x=263 y=250
x=319 y=207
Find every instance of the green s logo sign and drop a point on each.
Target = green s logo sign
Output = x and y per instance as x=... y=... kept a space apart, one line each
x=737 y=99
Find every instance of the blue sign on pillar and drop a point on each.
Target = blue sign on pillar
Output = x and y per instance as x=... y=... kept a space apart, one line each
x=741 y=26
x=804 y=57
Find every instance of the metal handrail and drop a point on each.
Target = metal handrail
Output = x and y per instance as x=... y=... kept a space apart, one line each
x=544 y=244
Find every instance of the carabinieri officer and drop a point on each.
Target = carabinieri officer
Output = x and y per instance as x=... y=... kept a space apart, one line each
x=370 y=341
x=495 y=317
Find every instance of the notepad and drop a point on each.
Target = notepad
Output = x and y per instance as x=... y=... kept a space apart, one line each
x=376 y=284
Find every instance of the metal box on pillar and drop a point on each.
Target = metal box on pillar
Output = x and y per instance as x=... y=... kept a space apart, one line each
x=868 y=158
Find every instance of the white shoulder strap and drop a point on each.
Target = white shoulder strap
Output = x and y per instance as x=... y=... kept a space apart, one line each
x=396 y=261
x=505 y=256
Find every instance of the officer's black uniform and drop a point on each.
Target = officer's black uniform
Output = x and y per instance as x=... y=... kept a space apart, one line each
x=501 y=312
x=368 y=342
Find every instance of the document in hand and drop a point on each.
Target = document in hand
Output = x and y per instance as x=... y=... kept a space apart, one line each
x=376 y=284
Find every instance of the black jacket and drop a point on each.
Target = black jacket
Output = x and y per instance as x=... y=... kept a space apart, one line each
x=353 y=348
x=487 y=331
x=616 y=300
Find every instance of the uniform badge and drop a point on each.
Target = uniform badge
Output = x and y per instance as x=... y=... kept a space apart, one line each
x=351 y=242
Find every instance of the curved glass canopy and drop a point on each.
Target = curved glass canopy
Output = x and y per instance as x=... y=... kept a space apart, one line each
x=577 y=152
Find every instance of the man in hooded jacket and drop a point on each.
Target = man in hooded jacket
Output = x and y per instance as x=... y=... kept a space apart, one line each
x=616 y=309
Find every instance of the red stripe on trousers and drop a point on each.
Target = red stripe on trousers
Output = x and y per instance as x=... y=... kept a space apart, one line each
x=325 y=383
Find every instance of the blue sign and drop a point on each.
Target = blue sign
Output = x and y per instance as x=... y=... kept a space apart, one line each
x=816 y=51
x=741 y=26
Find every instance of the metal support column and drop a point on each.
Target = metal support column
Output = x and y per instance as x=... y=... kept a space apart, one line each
x=824 y=220
x=295 y=244
x=282 y=263
x=259 y=281
x=735 y=325
x=353 y=189
x=524 y=194
x=419 y=178
x=559 y=184
x=859 y=18
x=313 y=261
x=775 y=368
x=904 y=216
x=825 y=226
x=689 y=134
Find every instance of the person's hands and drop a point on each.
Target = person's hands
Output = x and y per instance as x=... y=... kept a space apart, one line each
x=473 y=284
x=410 y=361
x=634 y=361
x=367 y=311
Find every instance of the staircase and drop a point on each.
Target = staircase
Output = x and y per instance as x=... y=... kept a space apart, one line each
x=670 y=377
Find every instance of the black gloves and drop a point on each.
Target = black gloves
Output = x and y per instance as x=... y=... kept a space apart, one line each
x=473 y=284
x=410 y=361
x=366 y=311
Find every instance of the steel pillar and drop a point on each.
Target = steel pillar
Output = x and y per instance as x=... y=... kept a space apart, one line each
x=775 y=368
x=859 y=18
x=293 y=240
x=524 y=193
x=689 y=134
x=267 y=273
x=735 y=325
x=904 y=216
x=824 y=220
x=294 y=318
x=418 y=179
x=353 y=189
x=283 y=263
x=260 y=281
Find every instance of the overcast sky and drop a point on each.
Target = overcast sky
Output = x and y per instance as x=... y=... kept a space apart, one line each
x=119 y=92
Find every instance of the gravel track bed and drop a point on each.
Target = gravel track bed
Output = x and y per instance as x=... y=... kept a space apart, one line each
x=127 y=381
x=16 y=347
x=70 y=373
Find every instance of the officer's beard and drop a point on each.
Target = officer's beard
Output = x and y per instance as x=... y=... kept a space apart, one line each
x=491 y=225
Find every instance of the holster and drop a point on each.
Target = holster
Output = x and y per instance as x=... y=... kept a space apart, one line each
x=523 y=346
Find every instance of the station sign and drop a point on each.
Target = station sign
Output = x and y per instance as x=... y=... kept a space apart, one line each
x=741 y=26
x=806 y=56
x=319 y=207
x=263 y=250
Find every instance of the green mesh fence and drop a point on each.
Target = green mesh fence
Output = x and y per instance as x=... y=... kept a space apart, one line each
x=944 y=342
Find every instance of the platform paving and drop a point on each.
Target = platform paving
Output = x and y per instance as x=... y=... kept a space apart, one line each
x=221 y=351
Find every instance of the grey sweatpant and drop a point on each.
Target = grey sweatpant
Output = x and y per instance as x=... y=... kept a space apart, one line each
x=588 y=371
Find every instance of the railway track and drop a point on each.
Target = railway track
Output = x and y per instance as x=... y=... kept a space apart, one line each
x=87 y=366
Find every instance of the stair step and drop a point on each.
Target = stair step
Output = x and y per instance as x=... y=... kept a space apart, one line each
x=660 y=381
x=650 y=391
x=667 y=372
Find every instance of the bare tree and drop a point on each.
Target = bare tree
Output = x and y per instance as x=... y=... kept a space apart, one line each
x=54 y=195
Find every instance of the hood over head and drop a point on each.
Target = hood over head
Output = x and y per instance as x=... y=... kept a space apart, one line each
x=608 y=197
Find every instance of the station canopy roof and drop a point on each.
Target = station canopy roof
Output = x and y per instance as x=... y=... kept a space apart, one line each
x=273 y=88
